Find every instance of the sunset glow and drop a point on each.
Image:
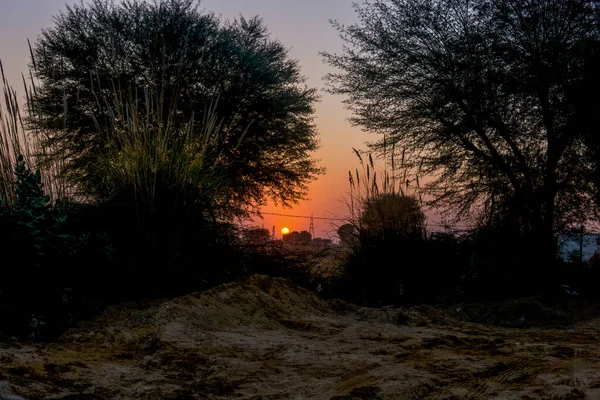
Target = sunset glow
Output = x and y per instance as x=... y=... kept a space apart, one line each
x=337 y=137
x=285 y=230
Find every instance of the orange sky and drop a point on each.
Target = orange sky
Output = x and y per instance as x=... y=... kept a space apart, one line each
x=302 y=25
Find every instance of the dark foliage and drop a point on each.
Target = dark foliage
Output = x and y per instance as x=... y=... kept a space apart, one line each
x=346 y=234
x=502 y=264
x=193 y=60
x=126 y=90
x=403 y=270
x=488 y=97
x=389 y=258
x=480 y=265
x=302 y=265
x=41 y=254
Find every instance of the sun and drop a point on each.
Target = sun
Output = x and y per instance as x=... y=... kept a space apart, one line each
x=285 y=230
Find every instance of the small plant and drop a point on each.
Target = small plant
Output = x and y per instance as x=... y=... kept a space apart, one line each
x=35 y=225
x=34 y=236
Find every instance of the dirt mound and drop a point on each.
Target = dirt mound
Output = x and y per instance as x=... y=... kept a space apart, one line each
x=259 y=302
x=266 y=303
x=264 y=338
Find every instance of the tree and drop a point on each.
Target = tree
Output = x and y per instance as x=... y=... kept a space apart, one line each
x=347 y=234
x=304 y=238
x=483 y=96
x=193 y=61
x=392 y=215
x=256 y=236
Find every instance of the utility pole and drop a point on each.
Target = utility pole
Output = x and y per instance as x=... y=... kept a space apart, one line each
x=581 y=245
x=311 y=229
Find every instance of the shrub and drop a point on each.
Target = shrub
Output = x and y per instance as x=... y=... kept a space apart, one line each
x=44 y=253
x=505 y=262
x=306 y=266
x=164 y=191
x=32 y=230
x=386 y=242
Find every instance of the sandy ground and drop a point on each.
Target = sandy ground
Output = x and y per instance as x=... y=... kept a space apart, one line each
x=265 y=338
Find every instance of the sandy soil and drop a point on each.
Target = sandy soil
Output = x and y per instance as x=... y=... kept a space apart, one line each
x=265 y=338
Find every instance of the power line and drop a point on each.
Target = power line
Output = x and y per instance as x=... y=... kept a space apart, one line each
x=448 y=226
x=303 y=216
x=345 y=219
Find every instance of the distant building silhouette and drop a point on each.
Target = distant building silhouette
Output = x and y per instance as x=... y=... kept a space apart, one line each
x=321 y=243
x=298 y=238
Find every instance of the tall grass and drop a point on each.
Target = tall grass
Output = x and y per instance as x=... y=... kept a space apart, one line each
x=163 y=187
x=385 y=202
x=13 y=140
x=155 y=162
x=382 y=260
x=21 y=133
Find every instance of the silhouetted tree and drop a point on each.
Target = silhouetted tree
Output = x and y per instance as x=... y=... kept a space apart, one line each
x=484 y=96
x=193 y=60
x=386 y=257
x=256 y=236
x=305 y=238
x=392 y=215
x=347 y=234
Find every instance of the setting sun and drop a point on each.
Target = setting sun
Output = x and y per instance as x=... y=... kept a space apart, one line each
x=285 y=230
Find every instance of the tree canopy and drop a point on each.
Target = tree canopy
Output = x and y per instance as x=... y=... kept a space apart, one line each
x=489 y=98
x=193 y=61
x=392 y=215
x=347 y=234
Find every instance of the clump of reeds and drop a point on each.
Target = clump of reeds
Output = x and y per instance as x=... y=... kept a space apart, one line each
x=385 y=203
x=156 y=162
x=13 y=140
x=388 y=235
x=21 y=133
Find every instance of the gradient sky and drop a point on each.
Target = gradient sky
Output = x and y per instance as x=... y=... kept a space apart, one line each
x=302 y=26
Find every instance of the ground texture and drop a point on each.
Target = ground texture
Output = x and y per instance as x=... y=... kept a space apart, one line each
x=264 y=338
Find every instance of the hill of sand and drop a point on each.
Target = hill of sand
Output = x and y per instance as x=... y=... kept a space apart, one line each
x=264 y=338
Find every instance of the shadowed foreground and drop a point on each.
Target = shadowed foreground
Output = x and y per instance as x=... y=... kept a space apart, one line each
x=265 y=338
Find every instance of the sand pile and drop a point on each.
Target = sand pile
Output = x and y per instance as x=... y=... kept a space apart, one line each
x=258 y=302
x=264 y=338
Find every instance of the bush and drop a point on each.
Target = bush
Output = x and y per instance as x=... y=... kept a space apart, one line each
x=306 y=266
x=46 y=256
x=381 y=271
x=504 y=262
x=163 y=193
x=390 y=259
x=32 y=231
